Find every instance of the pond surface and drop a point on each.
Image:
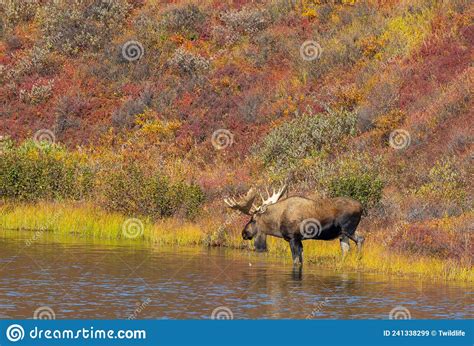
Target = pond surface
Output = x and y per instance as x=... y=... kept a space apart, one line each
x=87 y=280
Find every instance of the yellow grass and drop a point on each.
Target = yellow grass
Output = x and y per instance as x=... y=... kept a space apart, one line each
x=87 y=221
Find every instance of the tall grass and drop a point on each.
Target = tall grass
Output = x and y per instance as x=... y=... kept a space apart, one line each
x=86 y=221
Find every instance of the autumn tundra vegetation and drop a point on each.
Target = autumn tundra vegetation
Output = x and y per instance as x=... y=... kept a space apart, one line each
x=134 y=119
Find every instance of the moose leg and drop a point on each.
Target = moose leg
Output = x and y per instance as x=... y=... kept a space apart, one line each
x=348 y=230
x=260 y=242
x=299 y=245
x=359 y=240
x=296 y=251
x=345 y=246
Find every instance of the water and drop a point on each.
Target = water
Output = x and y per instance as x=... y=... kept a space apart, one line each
x=86 y=280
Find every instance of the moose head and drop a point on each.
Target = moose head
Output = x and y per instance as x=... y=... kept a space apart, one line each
x=247 y=206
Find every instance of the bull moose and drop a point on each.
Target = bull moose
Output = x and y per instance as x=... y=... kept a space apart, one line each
x=297 y=218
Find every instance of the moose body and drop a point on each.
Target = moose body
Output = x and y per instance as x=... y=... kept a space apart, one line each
x=297 y=218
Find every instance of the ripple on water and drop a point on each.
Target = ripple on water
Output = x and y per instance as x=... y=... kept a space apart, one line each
x=87 y=280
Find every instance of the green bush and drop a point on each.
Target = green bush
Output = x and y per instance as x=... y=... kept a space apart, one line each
x=444 y=191
x=363 y=187
x=186 y=63
x=74 y=26
x=41 y=171
x=187 y=20
x=444 y=181
x=37 y=60
x=246 y=20
x=14 y=11
x=304 y=136
x=131 y=191
x=31 y=172
x=353 y=174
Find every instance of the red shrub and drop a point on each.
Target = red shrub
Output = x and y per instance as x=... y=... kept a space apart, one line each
x=434 y=242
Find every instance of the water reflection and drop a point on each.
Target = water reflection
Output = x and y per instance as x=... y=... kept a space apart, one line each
x=85 y=280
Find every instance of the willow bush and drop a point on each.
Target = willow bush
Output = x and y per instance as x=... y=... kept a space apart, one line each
x=133 y=191
x=364 y=187
x=34 y=171
x=304 y=136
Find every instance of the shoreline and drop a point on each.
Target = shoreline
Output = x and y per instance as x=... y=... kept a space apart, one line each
x=84 y=221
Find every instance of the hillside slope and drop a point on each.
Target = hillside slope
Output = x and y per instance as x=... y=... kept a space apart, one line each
x=371 y=99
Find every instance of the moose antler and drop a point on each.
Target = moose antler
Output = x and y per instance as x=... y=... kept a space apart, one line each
x=245 y=205
x=274 y=197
